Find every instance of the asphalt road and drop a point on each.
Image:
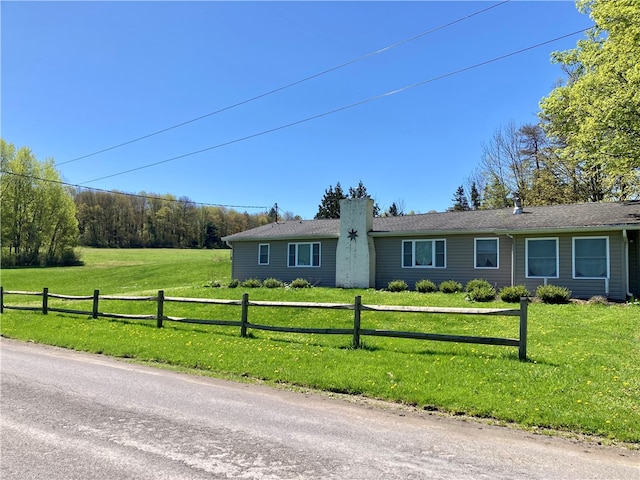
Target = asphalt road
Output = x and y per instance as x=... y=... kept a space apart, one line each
x=69 y=415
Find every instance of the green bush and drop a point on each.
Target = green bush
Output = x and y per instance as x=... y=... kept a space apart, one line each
x=252 y=283
x=450 y=286
x=397 y=286
x=272 y=283
x=300 y=283
x=482 y=293
x=513 y=294
x=476 y=283
x=234 y=283
x=553 y=294
x=426 y=286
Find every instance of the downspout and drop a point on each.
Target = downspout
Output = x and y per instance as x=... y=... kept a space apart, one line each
x=627 y=275
x=513 y=263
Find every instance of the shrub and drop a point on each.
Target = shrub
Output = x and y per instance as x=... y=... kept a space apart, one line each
x=450 y=286
x=482 y=293
x=476 y=283
x=300 y=283
x=234 y=283
x=513 y=294
x=272 y=283
x=426 y=286
x=213 y=284
x=397 y=286
x=252 y=283
x=553 y=294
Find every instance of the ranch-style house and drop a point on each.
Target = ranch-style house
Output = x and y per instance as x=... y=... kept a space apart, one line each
x=590 y=248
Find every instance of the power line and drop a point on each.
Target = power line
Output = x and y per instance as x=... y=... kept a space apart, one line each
x=134 y=195
x=340 y=109
x=289 y=85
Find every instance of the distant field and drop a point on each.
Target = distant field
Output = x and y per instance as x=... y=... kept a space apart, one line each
x=583 y=373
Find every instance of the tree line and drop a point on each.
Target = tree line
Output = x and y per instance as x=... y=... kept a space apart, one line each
x=114 y=219
x=43 y=218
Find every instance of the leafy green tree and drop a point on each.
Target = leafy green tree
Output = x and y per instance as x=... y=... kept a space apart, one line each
x=39 y=225
x=496 y=194
x=593 y=117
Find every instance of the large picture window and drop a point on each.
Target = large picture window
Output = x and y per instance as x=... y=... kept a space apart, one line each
x=542 y=257
x=423 y=254
x=591 y=257
x=263 y=254
x=304 y=254
x=486 y=252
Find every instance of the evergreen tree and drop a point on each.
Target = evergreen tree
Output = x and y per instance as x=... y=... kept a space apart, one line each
x=475 y=197
x=459 y=200
x=330 y=205
x=394 y=211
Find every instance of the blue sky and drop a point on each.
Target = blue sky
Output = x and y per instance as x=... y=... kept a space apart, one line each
x=80 y=77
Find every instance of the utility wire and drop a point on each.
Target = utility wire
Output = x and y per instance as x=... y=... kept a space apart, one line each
x=146 y=197
x=345 y=107
x=289 y=85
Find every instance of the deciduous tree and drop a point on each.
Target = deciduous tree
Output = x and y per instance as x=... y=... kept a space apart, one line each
x=594 y=117
x=39 y=225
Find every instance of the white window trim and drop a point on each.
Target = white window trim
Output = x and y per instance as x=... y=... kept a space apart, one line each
x=573 y=258
x=526 y=257
x=413 y=252
x=475 y=253
x=297 y=244
x=268 y=253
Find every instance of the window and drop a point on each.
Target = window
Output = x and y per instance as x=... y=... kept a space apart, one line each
x=542 y=257
x=591 y=257
x=304 y=255
x=263 y=254
x=486 y=252
x=423 y=254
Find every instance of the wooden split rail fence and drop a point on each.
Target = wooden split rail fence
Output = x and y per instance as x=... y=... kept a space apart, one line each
x=357 y=307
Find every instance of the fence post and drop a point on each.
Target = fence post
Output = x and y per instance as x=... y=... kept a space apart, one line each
x=357 y=304
x=245 y=315
x=522 y=347
x=45 y=300
x=160 y=315
x=94 y=310
x=1 y=299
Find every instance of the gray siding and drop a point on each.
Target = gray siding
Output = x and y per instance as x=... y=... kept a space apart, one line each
x=580 y=288
x=245 y=263
x=460 y=262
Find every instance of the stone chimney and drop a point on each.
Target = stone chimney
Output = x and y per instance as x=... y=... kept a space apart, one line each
x=355 y=253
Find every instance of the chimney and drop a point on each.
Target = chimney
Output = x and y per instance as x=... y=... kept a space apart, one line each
x=355 y=252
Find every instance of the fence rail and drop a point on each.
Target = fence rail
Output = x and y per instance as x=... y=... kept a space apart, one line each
x=357 y=307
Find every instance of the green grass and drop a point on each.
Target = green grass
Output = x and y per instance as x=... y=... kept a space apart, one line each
x=582 y=376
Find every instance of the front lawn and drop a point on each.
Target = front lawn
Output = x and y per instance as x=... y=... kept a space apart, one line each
x=582 y=373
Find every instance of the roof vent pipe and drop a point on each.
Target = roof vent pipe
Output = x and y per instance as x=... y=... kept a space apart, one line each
x=517 y=209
